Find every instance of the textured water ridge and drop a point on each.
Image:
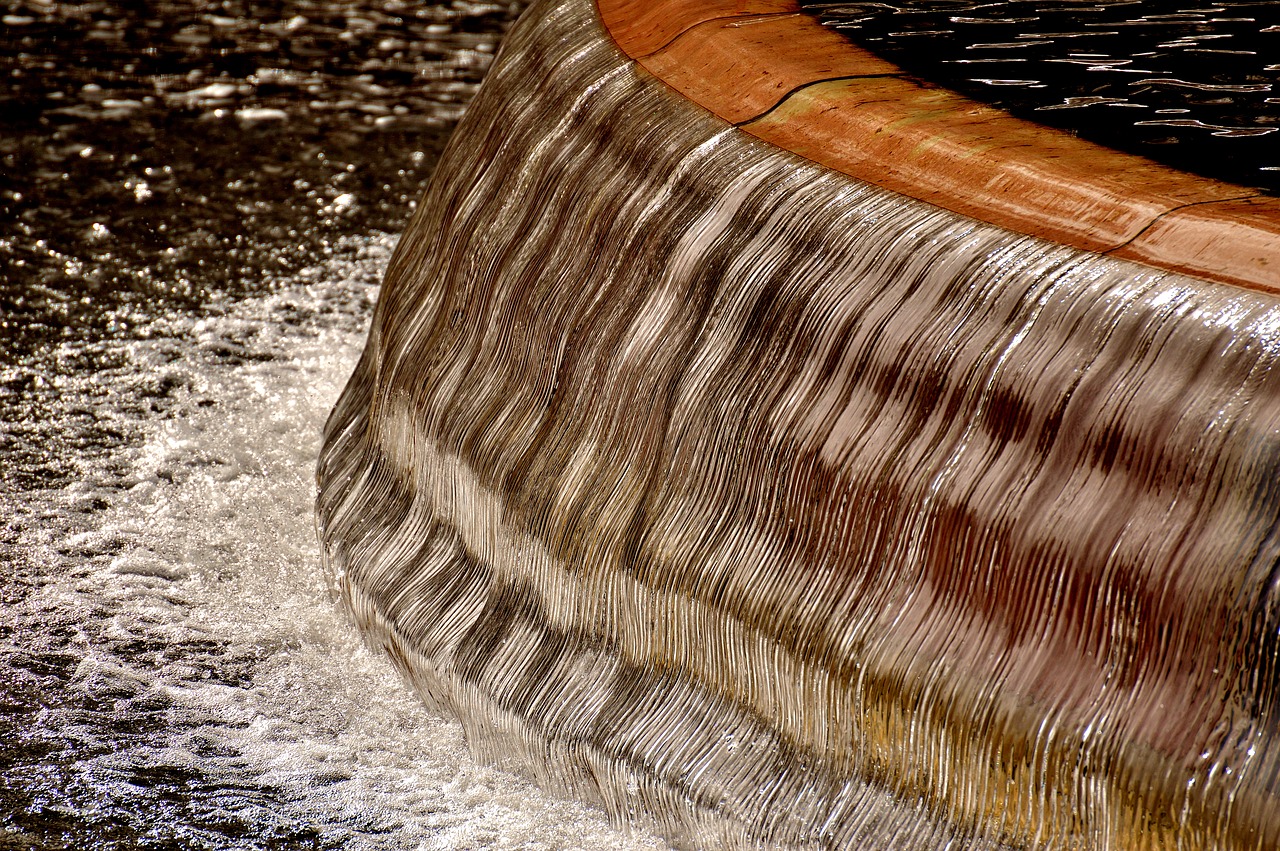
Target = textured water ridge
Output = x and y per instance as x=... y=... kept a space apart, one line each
x=777 y=509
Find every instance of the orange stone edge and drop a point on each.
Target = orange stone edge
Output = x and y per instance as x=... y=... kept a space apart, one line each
x=784 y=78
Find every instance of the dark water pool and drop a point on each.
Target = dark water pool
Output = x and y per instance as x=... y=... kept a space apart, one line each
x=157 y=155
x=1193 y=85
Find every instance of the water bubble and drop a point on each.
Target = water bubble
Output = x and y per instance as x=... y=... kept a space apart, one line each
x=260 y=115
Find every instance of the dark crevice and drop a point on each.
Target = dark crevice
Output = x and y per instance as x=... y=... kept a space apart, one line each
x=1149 y=225
x=689 y=29
x=810 y=84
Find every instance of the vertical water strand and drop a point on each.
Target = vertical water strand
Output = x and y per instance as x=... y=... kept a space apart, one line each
x=775 y=508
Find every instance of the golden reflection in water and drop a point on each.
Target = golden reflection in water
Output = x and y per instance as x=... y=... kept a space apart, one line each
x=774 y=508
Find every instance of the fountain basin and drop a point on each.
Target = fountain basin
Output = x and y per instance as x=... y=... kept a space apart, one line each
x=784 y=78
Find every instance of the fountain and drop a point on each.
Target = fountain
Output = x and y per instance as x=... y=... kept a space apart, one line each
x=781 y=453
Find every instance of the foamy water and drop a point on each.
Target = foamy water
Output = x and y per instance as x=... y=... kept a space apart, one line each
x=200 y=686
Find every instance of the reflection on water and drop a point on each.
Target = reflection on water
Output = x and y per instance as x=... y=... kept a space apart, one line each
x=155 y=157
x=1194 y=85
x=195 y=204
x=164 y=153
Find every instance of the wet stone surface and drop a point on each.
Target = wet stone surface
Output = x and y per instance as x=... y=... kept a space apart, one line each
x=1192 y=85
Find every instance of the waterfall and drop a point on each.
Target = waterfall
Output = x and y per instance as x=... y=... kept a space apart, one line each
x=770 y=508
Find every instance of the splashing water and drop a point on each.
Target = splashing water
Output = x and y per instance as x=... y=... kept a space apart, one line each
x=198 y=687
x=193 y=206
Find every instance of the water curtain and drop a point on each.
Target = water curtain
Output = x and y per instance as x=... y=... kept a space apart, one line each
x=770 y=508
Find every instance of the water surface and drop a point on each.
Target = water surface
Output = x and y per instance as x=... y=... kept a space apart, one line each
x=1192 y=85
x=196 y=205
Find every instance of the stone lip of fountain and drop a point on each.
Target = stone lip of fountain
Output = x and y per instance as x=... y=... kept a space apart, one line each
x=784 y=78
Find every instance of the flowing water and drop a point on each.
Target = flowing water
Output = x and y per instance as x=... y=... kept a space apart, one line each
x=196 y=206
x=770 y=507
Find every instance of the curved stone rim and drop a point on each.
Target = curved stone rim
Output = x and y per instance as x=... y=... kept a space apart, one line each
x=781 y=76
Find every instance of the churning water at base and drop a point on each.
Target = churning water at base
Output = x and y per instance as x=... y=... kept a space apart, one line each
x=175 y=673
x=187 y=197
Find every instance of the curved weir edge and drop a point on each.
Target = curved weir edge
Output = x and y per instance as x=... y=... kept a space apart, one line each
x=781 y=76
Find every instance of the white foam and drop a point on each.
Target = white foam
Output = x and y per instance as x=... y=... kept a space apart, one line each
x=201 y=593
